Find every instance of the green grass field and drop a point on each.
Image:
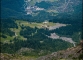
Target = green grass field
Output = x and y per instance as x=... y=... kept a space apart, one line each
x=38 y=25
x=25 y=23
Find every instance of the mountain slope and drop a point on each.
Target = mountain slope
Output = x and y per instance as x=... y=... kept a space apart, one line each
x=74 y=53
x=12 y=8
x=71 y=53
x=32 y=9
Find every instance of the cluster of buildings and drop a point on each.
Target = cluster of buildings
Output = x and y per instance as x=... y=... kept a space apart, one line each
x=31 y=9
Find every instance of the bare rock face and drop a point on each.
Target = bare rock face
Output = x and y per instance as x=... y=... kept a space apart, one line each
x=24 y=50
x=70 y=53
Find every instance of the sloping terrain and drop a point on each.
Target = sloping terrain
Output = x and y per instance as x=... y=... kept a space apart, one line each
x=74 y=53
x=36 y=9
x=69 y=54
x=41 y=29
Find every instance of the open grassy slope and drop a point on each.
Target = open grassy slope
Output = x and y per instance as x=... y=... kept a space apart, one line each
x=24 y=23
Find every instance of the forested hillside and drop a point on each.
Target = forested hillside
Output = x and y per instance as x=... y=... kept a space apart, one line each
x=34 y=28
x=36 y=39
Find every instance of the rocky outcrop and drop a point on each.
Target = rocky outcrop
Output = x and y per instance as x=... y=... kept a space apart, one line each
x=70 y=53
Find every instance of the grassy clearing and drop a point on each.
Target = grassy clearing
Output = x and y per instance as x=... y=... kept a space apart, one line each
x=25 y=23
x=30 y=24
x=51 y=24
x=6 y=39
x=17 y=57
